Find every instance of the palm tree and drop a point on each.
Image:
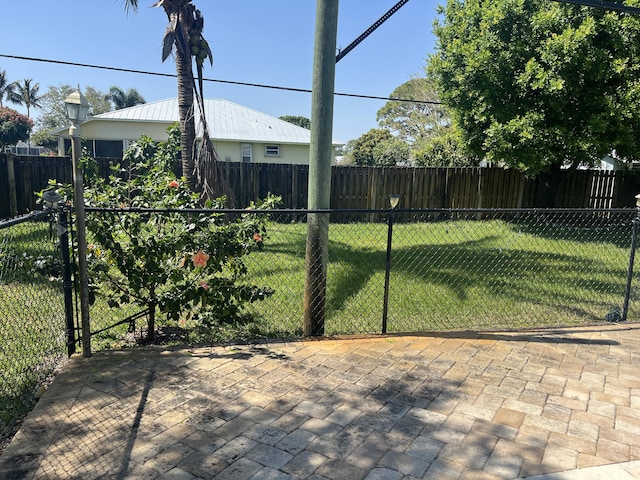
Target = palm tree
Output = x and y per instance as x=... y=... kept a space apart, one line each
x=25 y=94
x=5 y=87
x=183 y=38
x=122 y=99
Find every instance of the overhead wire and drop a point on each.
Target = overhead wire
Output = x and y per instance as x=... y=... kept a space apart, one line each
x=228 y=82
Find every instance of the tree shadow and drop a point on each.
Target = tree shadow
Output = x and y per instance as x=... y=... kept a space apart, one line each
x=516 y=275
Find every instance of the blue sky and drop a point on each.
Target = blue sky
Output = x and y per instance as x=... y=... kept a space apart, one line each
x=253 y=41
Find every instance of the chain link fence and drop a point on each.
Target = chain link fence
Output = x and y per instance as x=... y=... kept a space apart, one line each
x=32 y=325
x=387 y=271
x=430 y=270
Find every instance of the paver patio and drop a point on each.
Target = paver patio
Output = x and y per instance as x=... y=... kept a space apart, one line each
x=470 y=406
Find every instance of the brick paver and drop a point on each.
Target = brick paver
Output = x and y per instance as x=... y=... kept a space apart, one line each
x=460 y=406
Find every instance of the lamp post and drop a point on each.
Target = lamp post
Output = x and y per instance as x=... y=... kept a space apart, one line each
x=77 y=109
x=52 y=199
x=394 y=198
x=632 y=255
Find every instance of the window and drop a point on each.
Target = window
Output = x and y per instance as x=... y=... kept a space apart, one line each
x=108 y=148
x=272 y=150
x=246 y=152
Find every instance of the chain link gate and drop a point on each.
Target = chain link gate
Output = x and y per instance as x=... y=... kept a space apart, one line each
x=37 y=321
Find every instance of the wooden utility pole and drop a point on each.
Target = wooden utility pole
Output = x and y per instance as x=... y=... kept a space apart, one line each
x=320 y=158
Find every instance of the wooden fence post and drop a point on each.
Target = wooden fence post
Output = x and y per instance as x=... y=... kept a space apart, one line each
x=13 y=197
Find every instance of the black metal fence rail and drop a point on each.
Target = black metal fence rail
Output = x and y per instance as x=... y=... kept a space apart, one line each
x=32 y=324
x=438 y=269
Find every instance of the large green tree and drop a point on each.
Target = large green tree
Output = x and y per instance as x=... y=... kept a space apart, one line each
x=184 y=39
x=538 y=84
x=53 y=113
x=413 y=121
x=378 y=147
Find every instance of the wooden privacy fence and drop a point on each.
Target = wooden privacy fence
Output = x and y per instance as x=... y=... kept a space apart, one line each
x=428 y=187
x=357 y=187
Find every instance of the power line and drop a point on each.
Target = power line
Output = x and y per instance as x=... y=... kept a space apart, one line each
x=228 y=82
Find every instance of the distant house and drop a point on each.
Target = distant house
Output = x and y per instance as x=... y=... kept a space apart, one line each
x=239 y=134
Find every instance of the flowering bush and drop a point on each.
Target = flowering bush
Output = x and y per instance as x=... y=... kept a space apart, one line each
x=187 y=266
x=13 y=126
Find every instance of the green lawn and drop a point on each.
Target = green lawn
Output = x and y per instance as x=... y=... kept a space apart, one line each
x=32 y=326
x=447 y=275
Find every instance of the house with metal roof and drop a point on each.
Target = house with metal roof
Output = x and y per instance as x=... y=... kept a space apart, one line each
x=239 y=134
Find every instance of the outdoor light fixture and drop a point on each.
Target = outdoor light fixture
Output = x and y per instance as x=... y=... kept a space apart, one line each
x=638 y=200
x=394 y=198
x=51 y=199
x=77 y=107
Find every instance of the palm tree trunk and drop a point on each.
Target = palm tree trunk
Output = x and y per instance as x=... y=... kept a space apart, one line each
x=187 y=119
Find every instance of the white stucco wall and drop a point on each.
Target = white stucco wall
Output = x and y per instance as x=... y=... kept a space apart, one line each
x=128 y=131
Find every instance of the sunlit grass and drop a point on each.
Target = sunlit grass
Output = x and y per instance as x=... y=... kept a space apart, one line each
x=447 y=275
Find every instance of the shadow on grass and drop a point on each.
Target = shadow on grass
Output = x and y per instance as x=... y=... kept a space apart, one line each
x=561 y=280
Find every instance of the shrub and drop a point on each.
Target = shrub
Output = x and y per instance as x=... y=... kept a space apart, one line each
x=188 y=266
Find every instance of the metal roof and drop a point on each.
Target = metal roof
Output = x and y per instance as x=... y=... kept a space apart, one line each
x=227 y=121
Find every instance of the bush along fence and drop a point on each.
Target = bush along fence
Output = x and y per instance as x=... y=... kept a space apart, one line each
x=33 y=325
x=434 y=270
x=357 y=187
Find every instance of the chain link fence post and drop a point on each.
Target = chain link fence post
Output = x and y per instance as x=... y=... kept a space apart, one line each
x=632 y=255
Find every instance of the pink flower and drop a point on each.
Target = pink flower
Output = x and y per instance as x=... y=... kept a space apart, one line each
x=257 y=237
x=200 y=259
x=174 y=184
x=204 y=284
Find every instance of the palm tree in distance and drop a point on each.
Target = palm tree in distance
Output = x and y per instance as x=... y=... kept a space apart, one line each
x=121 y=99
x=5 y=87
x=25 y=94
x=184 y=39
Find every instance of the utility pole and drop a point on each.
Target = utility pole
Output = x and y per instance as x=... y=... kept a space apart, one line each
x=320 y=158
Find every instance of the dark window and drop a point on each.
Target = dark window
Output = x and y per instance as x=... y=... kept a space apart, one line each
x=108 y=148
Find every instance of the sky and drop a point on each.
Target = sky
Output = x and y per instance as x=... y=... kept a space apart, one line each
x=253 y=41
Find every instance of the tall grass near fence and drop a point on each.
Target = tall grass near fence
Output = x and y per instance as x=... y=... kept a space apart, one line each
x=32 y=324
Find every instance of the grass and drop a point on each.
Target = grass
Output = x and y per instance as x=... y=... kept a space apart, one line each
x=33 y=324
x=445 y=275
x=448 y=275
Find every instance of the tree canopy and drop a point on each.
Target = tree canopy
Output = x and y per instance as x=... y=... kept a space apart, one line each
x=298 y=120
x=5 y=87
x=378 y=147
x=413 y=121
x=123 y=99
x=14 y=126
x=25 y=93
x=53 y=112
x=538 y=84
